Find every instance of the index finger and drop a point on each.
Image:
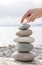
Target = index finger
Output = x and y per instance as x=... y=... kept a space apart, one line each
x=24 y=16
x=27 y=14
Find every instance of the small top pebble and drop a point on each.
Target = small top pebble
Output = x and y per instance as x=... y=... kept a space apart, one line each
x=25 y=26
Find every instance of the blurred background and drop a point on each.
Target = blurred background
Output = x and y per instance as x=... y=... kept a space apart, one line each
x=11 y=9
x=11 y=12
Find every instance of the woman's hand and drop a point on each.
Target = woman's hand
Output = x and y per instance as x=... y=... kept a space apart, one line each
x=32 y=14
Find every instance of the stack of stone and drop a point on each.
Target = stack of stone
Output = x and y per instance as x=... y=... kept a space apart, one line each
x=24 y=45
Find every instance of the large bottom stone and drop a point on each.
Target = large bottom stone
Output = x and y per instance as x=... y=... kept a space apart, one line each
x=24 y=47
x=23 y=56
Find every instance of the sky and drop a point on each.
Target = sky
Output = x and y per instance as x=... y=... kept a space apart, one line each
x=15 y=8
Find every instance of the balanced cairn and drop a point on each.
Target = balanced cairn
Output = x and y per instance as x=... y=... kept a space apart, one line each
x=24 y=45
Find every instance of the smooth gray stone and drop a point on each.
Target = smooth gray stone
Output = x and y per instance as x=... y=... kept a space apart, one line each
x=24 y=32
x=24 y=39
x=23 y=56
x=24 y=27
x=24 y=47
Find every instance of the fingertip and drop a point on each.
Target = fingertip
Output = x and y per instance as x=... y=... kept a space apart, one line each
x=21 y=21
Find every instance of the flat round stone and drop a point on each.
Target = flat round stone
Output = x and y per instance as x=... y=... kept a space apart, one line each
x=23 y=56
x=24 y=39
x=21 y=47
x=24 y=33
x=24 y=27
